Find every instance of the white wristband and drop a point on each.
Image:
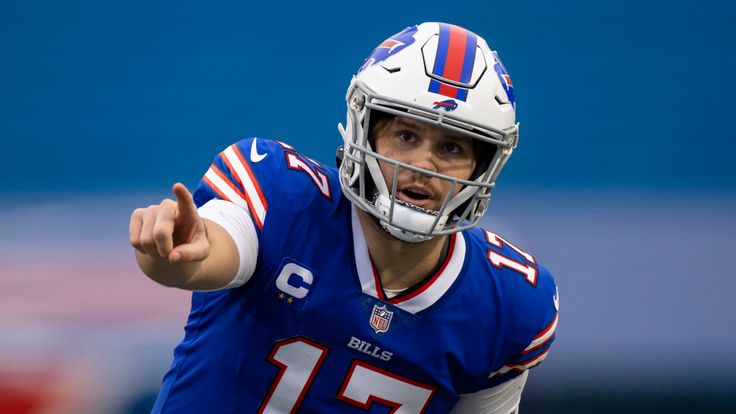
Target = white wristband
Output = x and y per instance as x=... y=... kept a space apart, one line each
x=238 y=224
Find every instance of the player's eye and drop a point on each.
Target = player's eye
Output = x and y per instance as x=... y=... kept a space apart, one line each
x=452 y=147
x=407 y=136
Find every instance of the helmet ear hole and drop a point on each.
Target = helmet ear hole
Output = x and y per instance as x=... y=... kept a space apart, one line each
x=484 y=153
x=339 y=155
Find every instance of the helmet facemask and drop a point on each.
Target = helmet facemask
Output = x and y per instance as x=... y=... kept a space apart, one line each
x=364 y=184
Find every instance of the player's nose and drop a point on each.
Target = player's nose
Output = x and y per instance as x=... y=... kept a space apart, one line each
x=424 y=156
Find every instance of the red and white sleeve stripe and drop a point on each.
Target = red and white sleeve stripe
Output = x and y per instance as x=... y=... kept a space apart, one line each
x=523 y=366
x=251 y=196
x=220 y=183
x=539 y=341
x=543 y=337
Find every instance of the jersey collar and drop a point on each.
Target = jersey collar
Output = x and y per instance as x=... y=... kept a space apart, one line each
x=427 y=294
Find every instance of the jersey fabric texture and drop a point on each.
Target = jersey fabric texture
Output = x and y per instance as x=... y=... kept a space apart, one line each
x=312 y=331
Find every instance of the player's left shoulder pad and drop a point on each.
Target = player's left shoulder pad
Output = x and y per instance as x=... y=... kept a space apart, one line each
x=304 y=179
x=535 y=320
x=243 y=174
x=530 y=304
x=263 y=176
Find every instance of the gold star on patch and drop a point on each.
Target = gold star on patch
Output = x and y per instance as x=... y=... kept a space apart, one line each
x=290 y=300
x=281 y=295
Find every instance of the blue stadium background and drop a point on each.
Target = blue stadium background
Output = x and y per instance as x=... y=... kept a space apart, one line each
x=623 y=184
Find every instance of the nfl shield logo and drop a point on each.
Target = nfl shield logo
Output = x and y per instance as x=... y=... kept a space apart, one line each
x=381 y=318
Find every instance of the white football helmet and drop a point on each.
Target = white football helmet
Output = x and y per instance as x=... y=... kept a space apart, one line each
x=443 y=75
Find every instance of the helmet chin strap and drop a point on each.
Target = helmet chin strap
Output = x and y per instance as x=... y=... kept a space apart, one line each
x=411 y=219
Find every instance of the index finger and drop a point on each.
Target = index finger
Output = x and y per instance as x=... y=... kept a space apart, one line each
x=184 y=200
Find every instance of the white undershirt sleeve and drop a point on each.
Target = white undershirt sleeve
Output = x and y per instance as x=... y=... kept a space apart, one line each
x=238 y=224
x=501 y=399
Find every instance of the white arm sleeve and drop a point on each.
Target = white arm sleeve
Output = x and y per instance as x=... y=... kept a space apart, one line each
x=501 y=399
x=236 y=221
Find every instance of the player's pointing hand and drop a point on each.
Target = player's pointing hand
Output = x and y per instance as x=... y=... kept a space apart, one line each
x=171 y=230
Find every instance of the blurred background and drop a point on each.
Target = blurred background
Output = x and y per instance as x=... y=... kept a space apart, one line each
x=624 y=183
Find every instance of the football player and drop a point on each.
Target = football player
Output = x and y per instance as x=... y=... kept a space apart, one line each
x=366 y=288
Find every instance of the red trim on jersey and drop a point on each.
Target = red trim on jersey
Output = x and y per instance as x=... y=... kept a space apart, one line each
x=238 y=191
x=252 y=176
x=424 y=287
x=531 y=279
x=372 y=398
x=499 y=242
x=295 y=161
x=214 y=188
x=285 y=145
x=226 y=179
x=530 y=363
x=253 y=180
x=541 y=334
x=282 y=369
x=427 y=284
x=377 y=281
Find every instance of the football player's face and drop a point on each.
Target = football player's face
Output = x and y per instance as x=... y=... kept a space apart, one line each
x=429 y=147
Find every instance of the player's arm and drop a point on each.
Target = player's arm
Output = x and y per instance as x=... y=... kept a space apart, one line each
x=501 y=399
x=176 y=247
x=504 y=386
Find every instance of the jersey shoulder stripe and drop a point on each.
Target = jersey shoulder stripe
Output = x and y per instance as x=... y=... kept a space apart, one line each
x=220 y=184
x=231 y=177
x=263 y=175
x=543 y=338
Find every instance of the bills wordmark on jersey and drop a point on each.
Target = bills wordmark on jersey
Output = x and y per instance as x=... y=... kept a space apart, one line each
x=369 y=349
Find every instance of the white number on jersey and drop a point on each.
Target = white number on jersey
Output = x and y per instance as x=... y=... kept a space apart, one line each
x=528 y=270
x=299 y=360
x=366 y=384
x=319 y=178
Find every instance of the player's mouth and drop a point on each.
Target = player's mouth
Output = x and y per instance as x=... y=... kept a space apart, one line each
x=417 y=195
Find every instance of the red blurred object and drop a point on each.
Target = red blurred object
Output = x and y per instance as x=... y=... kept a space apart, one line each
x=29 y=392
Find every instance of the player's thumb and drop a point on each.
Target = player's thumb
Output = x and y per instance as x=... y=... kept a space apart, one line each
x=195 y=251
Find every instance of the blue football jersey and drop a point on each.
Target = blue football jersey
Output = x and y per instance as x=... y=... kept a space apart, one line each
x=312 y=330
